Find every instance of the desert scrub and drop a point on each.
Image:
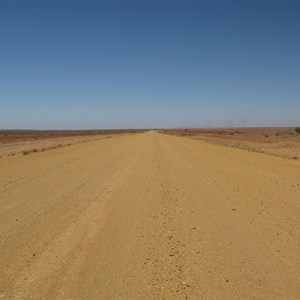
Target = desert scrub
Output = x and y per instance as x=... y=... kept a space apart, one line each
x=26 y=152
x=297 y=130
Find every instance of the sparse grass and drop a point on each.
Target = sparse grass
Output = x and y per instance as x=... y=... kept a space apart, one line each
x=26 y=152
x=263 y=140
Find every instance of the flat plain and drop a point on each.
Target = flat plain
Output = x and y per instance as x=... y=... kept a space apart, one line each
x=281 y=141
x=149 y=216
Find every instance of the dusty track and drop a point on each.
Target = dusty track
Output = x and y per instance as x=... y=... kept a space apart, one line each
x=149 y=216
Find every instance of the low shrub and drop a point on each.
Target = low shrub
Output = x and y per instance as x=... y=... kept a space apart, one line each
x=26 y=152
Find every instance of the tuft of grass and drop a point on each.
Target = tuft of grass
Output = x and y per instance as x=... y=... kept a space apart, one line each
x=297 y=130
x=26 y=152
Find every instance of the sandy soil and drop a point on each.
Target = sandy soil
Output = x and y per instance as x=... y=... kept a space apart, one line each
x=283 y=142
x=27 y=147
x=13 y=142
x=149 y=216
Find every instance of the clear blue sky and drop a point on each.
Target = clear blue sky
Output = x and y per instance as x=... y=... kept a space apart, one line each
x=71 y=64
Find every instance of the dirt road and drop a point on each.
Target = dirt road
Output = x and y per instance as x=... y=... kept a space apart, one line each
x=149 y=216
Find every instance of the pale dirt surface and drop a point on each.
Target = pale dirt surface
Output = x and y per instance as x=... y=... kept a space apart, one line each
x=282 y=141
x=149 y=216
x=15 y=148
